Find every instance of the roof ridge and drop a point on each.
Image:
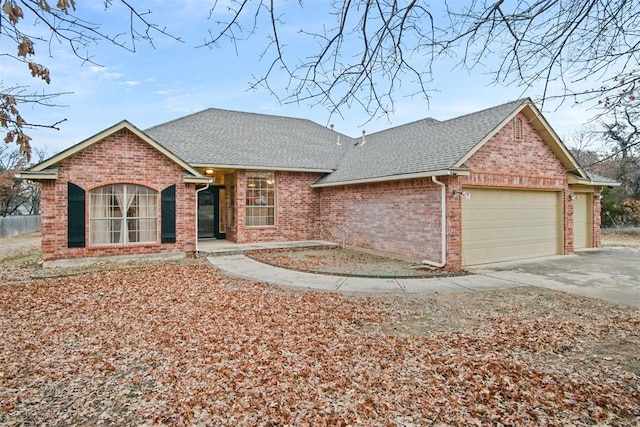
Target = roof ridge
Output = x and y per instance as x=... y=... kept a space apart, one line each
x=249 y=113
x=178 y=118
x=495 y=107
x=426 y=119
x=440 y=122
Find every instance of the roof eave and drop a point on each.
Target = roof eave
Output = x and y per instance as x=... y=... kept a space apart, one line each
x=573 y=180
x=261 y=168
x=490 y=135
x=541 y=125
x=196 y=180
x=553 y=140
x=428 y=174
x=37 y=175
x=52 y=161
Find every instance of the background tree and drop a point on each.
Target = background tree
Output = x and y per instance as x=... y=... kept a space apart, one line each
x=621 y=130
x=16 y=195
x=612 y=149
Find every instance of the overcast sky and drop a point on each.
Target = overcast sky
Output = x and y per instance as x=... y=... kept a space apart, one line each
x=152 y=86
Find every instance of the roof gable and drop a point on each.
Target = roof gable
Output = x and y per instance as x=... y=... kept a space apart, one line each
x=50 y=163
x=542 y=127
x=231 y=139
x=422 y=148
x=431 y=148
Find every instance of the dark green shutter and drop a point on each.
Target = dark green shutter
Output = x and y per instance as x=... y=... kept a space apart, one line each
x=75 y=216
x=168 y=227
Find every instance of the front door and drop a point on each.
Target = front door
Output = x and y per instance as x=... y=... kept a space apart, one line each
x=212 y=213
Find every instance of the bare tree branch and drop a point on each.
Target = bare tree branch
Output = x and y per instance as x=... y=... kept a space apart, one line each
x=375 y=45
x=62 y=26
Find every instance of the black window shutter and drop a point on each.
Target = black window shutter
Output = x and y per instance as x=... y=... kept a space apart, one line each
x=168 y=227
x=75 y=216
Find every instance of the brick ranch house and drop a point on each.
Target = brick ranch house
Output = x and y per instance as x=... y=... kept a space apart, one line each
x=489 y=186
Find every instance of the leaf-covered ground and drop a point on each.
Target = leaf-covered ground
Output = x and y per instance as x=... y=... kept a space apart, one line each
x=347 y=262
x=183 y=344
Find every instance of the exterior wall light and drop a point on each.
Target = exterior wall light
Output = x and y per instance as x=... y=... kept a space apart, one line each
x=465 y=194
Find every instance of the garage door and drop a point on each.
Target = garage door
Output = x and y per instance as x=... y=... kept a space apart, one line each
x=502 y=225
x=582 y=223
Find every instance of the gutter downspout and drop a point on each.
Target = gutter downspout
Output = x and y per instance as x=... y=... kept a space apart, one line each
x=443 y=222
x=198 y=191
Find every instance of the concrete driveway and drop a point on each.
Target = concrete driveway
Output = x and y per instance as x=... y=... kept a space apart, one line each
x=611 y=274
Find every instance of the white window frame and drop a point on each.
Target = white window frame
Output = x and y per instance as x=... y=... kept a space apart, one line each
x=110 y=224
x=260 y=197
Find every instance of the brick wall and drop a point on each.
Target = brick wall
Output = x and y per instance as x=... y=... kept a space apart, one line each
x=296 y=209
x=399 y=217
x=120 y=158
x=403 y=217
x=597 y=220
x=454 y=221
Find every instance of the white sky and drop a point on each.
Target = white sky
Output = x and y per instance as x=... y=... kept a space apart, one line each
x=152 y=86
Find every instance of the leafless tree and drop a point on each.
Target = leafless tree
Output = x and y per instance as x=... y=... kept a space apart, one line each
x=612 y=149
x=362 y=52
x=31 y=23
x=372 y=46
x=623 y=131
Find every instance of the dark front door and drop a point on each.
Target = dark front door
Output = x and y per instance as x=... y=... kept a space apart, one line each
x=212 y=213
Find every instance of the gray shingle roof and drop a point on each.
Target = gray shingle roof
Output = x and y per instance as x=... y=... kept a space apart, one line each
x=601 y=178
x=236 y=139
x=222 y=137
x=419 y=147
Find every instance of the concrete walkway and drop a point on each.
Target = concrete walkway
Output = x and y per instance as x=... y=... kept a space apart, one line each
x=243 y=266
x=611 y=274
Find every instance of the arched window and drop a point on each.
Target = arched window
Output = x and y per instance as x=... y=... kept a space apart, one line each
x=517 y=128
x=123 y=214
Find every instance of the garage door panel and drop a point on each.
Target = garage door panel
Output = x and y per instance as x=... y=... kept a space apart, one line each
x=582 y=223
x=500 y=225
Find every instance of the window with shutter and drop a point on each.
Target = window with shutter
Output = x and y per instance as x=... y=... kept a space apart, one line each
x=123 y=214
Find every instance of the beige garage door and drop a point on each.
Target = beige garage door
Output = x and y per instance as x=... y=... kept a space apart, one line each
x=582 y=223
x=502 y=225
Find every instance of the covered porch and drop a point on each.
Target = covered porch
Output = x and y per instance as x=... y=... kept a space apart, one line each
x=217 y=247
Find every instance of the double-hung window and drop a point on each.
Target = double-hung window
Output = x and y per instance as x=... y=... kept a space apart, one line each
x=260 y=199
x=123 y=214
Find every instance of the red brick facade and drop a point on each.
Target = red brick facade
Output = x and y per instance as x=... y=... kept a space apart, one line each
x=401 y=217
x=525 y=163
x=596 y=237
x=119 y=159
x=296 y=210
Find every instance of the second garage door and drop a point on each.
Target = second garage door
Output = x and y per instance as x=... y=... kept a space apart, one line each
x=582 y=223
x=502 y=225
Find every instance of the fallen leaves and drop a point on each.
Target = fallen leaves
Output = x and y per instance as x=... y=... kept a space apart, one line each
x=340 y=261
x=185 y=345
